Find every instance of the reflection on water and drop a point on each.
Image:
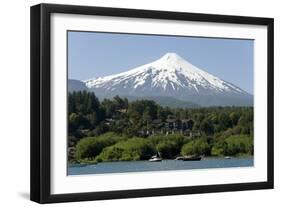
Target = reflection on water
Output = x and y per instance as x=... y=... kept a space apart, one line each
x=142 y=166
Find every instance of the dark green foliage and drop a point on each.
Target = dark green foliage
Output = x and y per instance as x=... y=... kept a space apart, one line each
x=196 y=147
x=84 y=111
x=82 y=102
x=132 y=149
x=207 y=126
x=142 y=111
x=111 y=106
x=213 y=131
x=90 y=147
x=234 y=145
x=169 y=146
x=168 y=149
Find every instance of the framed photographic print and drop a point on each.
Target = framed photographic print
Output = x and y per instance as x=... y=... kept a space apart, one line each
x=133 y=103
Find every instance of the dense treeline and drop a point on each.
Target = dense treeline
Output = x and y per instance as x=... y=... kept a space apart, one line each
x=111 y=129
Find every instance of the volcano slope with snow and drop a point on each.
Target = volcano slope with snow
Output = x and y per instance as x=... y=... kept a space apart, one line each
x=171 y=76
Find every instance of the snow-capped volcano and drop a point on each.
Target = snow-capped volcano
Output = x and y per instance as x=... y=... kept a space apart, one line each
x=171 y=75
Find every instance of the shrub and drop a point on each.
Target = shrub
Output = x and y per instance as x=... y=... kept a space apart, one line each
x=233 y=145
x=199 y=146
x=168 y=145
x=239 y=144
x=131 y=149
x=168 y=149
x=90 y=147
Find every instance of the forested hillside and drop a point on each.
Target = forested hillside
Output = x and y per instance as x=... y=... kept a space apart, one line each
x=116 y=129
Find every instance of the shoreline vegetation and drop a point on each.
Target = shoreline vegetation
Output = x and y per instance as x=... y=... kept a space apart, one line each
x=118 y=130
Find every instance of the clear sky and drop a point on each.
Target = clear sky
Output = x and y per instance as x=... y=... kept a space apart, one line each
x=92 y=54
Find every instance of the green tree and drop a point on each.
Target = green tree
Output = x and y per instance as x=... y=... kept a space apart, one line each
x=90 y=147
x=131 y=149
x=207 y=126
x=197 y=147
x=239 y=144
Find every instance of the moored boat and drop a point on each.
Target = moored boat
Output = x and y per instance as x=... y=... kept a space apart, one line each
x=155 y=158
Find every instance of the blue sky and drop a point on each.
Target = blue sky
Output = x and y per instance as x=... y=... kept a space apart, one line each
x=92 y=54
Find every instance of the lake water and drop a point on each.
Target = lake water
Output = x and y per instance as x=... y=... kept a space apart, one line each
x=142 y=166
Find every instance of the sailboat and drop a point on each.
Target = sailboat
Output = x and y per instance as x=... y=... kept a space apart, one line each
x=155 y=158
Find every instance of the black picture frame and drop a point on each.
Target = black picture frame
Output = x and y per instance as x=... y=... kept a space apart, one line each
x=41 y=96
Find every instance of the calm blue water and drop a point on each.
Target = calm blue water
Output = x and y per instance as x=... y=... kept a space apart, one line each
x=142 y=166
